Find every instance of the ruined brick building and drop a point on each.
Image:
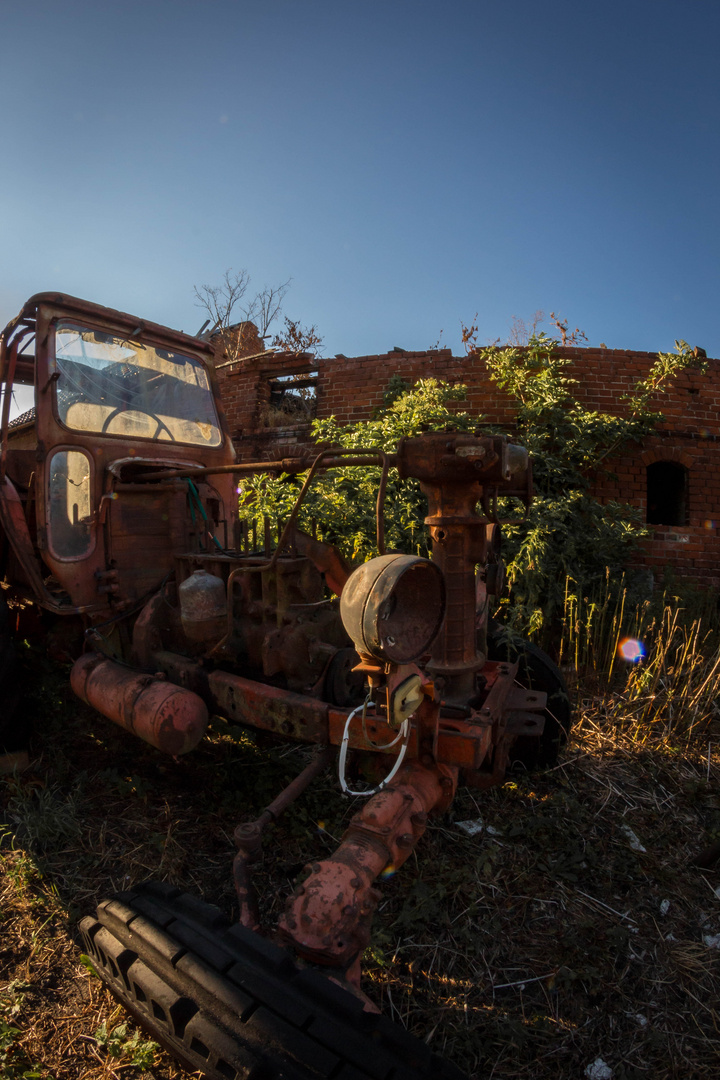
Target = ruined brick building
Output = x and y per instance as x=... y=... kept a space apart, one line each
x=673 y=477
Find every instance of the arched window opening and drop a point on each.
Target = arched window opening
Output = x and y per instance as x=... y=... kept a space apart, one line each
x=667 y=493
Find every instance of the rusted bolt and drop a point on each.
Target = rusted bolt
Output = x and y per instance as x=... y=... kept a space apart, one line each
x=290 y=921
x=356 y=882
x=316 y=868
x=446 y=782
x=405 y=841
x=420 y=818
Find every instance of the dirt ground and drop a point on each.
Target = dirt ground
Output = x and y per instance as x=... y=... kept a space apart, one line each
x=569 y=936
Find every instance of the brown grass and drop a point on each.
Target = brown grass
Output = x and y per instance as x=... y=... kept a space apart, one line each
x=528 y=951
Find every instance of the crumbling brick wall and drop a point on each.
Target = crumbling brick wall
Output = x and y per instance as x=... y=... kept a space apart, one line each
x=351 y=388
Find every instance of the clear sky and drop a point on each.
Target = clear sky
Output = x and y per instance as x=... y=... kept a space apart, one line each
x=406 y=163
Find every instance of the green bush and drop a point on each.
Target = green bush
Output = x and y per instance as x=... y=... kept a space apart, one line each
x=341 y=504
x=567 y=531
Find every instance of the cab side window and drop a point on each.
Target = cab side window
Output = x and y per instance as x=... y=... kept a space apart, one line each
x=70 y=505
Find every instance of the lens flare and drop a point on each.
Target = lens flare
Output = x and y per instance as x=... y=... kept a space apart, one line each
x=389 y=870
x=709 y=523
x=631 y=649
x=704 y=433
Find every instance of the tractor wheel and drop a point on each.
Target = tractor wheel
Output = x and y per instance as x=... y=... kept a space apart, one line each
x=536 y=671
x=233 y=1005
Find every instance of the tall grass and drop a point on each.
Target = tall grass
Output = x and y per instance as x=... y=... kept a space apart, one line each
x=673 y=686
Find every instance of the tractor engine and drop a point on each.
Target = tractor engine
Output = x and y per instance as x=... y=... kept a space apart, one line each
x=271 y=619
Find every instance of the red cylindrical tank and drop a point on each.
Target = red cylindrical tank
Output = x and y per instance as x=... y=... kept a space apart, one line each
x=169 y=717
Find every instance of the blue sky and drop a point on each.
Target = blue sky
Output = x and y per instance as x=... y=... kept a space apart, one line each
x=406 y=163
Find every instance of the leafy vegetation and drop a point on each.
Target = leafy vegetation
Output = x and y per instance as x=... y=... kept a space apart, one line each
x=14 y=1062
x=132 y=1049
x=341 y=504
x=567 y=532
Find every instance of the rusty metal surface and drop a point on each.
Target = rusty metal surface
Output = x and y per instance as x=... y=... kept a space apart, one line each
x=8 y=375
x=393 y=606
x=168 y=717
x=325 y=558
x=327 y=920
x=125 y=321
x=14 y=524
x=299 y=718
x=135 y=532
x=456 y=472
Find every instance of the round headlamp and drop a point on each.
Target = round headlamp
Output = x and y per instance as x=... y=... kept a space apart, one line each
x=393 y=606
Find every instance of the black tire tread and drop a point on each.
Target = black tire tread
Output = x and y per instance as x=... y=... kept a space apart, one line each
x=234 y=1005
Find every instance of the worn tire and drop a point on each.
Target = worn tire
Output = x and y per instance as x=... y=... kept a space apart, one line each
x=536 y=671
x=232 y=1004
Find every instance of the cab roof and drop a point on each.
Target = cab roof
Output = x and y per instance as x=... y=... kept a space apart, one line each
x=121 y=319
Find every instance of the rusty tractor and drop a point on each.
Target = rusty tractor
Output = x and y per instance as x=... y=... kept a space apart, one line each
x=119 y=517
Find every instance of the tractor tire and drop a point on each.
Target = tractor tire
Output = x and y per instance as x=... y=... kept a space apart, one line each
x=536 y=671
x=233 y=1005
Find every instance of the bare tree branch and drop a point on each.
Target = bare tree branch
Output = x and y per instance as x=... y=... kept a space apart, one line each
x=225 y=302
x=264 y=308
x=220 y=300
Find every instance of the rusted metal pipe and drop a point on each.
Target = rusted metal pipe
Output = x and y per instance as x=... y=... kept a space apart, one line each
x=169 y=717
x=327 y=920
x=248 y=836
x=333 y=459
x=9 y=375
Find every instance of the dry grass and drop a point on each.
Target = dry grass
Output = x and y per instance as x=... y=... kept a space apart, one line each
x=529 y=950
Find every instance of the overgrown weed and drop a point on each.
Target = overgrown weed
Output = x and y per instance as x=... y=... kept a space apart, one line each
x=525 y=951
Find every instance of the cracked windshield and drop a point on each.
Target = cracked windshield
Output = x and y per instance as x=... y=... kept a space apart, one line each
x=117 y=387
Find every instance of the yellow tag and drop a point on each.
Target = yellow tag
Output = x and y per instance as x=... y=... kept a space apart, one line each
x=406 y=698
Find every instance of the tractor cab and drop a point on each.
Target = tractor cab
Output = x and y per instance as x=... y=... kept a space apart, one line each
x=115 y=398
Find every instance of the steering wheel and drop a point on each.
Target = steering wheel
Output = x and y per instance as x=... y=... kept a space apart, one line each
x=161 y=425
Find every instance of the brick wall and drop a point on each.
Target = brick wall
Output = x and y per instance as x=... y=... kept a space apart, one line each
x=350 y=388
